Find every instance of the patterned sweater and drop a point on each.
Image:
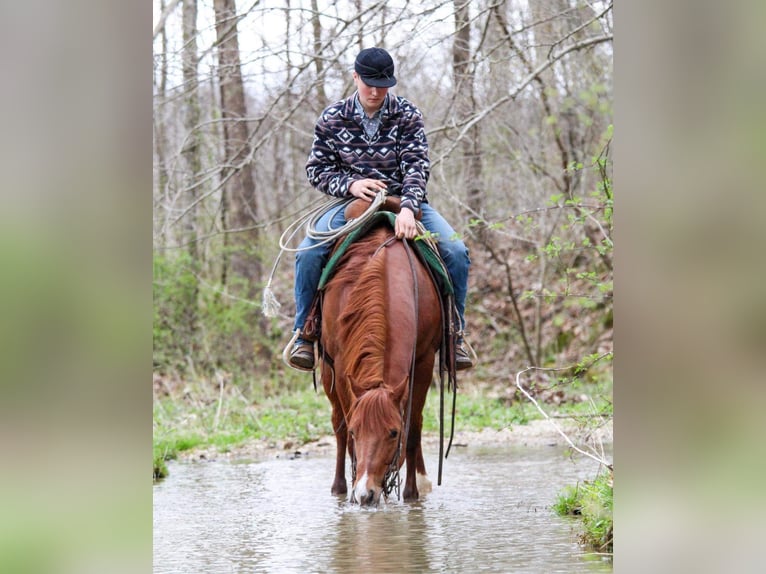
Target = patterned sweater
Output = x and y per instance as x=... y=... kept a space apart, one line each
x=397 y=154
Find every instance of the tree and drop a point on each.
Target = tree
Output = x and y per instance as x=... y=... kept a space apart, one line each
x=464 y=71
x=192 y=163
x=239 y=206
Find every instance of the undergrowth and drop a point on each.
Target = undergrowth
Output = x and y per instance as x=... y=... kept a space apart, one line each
x=203 y=414
x=593 y=502
x=195 y=417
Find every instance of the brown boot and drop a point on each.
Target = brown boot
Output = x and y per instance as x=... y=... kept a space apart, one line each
x=462 y=360
x=302 y=355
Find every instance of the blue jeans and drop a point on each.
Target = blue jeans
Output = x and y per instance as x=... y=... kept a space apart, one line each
x=309 y=263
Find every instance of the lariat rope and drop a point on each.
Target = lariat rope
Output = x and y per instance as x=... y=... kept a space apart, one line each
x=270 y=306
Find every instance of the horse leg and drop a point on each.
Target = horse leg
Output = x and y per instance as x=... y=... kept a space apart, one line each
x=417 y=481
x=413 y=448
x=416 y=467
x=422 y=481
x=339 y=485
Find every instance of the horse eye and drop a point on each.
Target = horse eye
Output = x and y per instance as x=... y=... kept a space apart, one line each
x=393 y=433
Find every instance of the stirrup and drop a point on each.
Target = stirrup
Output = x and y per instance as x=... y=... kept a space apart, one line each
x=463 y=360
x=302 y=356
x=289 y=350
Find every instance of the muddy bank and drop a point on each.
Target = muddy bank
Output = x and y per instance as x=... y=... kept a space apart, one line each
x=535 y=433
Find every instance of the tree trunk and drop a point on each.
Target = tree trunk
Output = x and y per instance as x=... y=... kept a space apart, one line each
x=191 y=161
x=159 y=123
x=464 y=72
x=544 y=34
x=318 y=62
x=240 y=203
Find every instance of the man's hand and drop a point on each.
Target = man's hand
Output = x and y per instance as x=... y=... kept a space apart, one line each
x=404 y=226
x=366 y=189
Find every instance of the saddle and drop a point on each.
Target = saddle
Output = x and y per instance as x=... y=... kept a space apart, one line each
x=425 y=250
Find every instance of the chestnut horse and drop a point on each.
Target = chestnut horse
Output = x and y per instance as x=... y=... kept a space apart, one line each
x=381 y=328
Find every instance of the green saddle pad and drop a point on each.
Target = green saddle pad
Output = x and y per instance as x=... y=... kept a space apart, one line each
x=424 y=250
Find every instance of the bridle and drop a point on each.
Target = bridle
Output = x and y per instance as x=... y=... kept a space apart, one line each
x=391 y=479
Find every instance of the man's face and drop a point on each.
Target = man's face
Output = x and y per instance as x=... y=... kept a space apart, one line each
x=370 y=97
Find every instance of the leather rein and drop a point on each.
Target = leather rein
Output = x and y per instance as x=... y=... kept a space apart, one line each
x=392 y=480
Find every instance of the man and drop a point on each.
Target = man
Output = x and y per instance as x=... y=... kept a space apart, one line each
x=369 y=142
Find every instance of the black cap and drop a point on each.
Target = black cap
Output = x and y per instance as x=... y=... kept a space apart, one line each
x=376 y=68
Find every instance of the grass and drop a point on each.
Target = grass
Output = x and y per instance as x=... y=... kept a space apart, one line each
x=477 y=409
x=194 y=418
x=593 y=502
x=198 y=418
x=199 y=415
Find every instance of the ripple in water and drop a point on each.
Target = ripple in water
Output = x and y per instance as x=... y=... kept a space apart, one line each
x=491 y=513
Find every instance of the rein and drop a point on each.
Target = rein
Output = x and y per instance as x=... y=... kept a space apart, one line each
x=392 y=479
x=447 y=365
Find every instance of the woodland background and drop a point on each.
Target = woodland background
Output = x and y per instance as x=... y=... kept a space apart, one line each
x=517 y=99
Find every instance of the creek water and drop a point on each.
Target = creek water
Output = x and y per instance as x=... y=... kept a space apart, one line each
x=491 y=514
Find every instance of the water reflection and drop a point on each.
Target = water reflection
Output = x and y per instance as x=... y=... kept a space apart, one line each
x=387 y=540
x=490 y=513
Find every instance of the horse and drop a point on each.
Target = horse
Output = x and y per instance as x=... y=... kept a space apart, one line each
x=381 y=328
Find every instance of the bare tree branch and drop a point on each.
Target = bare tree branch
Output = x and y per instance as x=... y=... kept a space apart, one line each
x=164 y=16
x=579 y=28
x=599 y=459
x=466 y=126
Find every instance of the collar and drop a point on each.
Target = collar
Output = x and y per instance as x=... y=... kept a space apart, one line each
x=359 y=110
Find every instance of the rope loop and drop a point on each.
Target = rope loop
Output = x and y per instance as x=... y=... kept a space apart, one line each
x=270 y=306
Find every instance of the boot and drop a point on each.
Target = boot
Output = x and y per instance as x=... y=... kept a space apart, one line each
x=302 y=355
x=462 y=360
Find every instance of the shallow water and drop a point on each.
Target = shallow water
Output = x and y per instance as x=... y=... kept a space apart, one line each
x=491 y=514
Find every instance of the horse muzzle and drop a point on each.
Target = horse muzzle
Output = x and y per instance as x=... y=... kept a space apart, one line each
x=365 y=492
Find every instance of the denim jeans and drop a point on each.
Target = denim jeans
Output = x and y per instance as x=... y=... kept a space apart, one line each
x=309 y=263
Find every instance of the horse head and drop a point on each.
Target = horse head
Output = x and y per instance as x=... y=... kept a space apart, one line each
x=375 y=428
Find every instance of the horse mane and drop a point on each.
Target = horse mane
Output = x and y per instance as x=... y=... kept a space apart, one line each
x=362 y=323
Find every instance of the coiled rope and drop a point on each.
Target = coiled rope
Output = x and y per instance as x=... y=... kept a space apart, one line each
x=270 y=306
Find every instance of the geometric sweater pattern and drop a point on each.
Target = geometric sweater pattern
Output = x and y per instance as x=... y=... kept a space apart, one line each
x=397 y=154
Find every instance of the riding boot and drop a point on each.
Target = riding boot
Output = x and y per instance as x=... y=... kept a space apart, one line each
x=462 y=360
x=302 y=355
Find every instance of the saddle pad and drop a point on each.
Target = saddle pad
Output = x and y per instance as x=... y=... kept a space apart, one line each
x=428 y=255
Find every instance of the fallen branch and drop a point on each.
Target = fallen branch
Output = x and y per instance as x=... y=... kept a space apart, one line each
x=599 y=460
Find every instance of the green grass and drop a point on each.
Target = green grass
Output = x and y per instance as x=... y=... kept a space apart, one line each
x=197 y=415
x=593 y=502
x=195 y=419
x=476 y=410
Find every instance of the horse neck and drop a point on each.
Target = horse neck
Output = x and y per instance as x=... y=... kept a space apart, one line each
x=378 y=329
x=363 y=323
